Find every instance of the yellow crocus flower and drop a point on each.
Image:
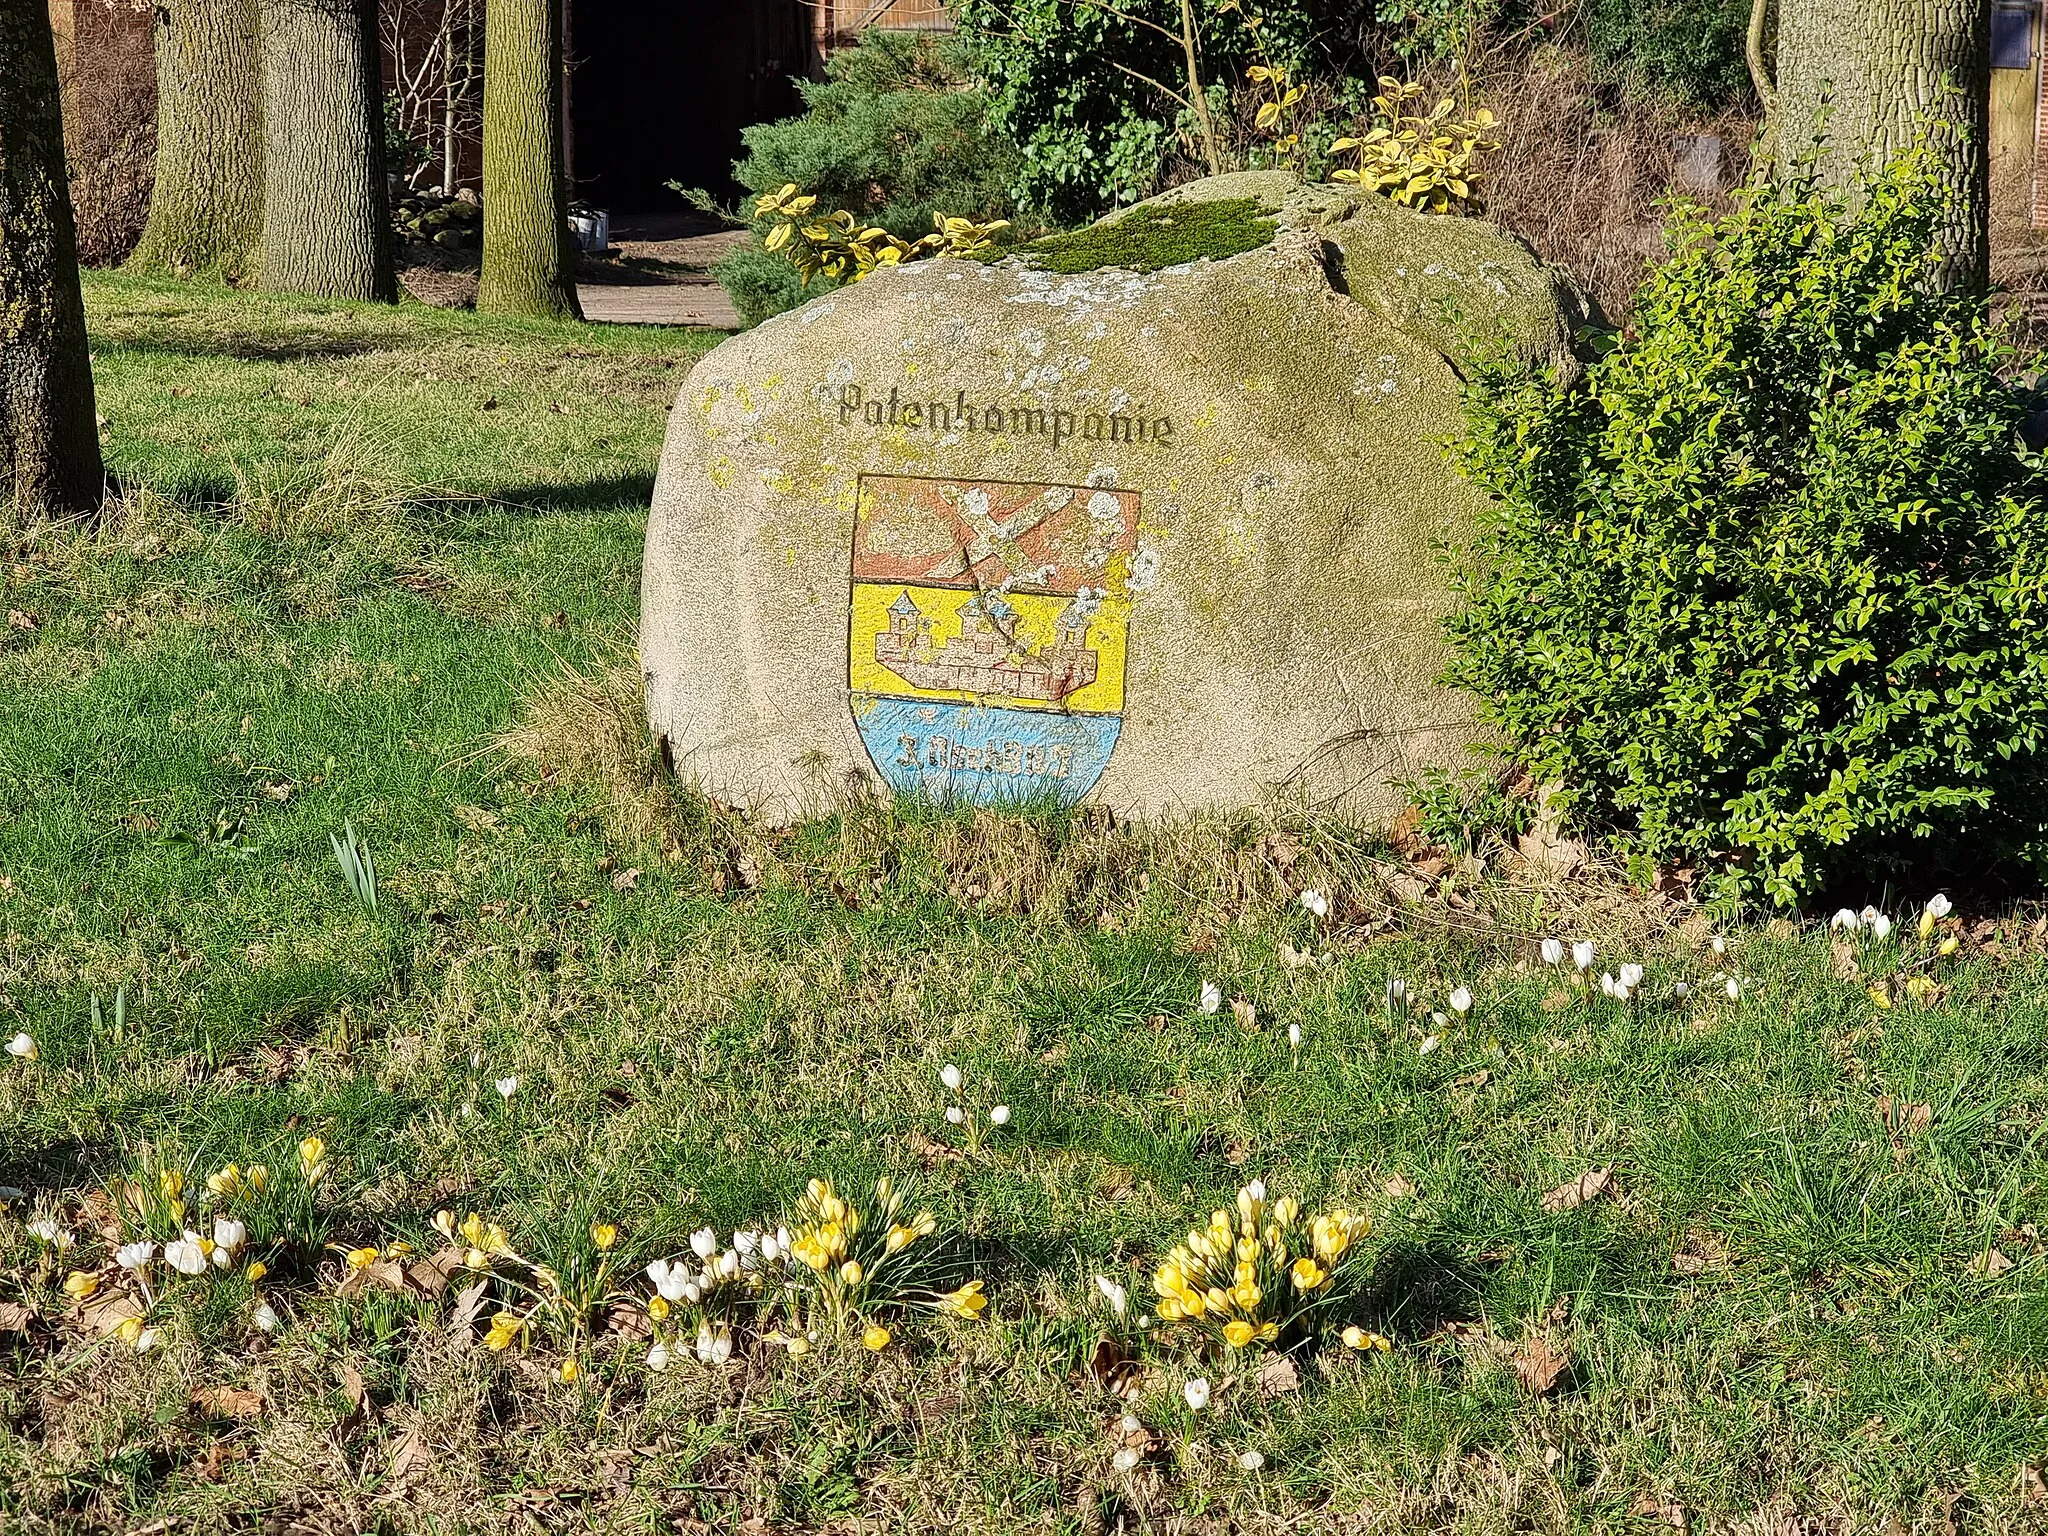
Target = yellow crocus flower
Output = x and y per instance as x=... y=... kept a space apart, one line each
x=850 y=1273
x=603 y=1235
x=967 y=1302
x=78 y=1284
x=875 y=1339
x=1237 y=1334
x=1307 y=1275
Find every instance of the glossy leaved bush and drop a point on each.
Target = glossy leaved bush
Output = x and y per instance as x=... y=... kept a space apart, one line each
x=1767 y=588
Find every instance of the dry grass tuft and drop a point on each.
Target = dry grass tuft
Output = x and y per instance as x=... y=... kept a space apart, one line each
x=1204 y=874
x=1583 y=168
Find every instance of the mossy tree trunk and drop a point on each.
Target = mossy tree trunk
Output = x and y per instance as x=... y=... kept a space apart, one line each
x=326 y=207
x=529 y=254
x=206 y=213
x=1873 y=75
x=49 y=432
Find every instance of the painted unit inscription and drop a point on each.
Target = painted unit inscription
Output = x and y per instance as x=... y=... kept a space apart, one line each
x=989 y=625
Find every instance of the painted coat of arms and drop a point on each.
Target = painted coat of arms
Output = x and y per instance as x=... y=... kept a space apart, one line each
x=990 y=626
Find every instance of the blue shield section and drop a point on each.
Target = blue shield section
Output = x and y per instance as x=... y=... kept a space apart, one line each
x=983 y=755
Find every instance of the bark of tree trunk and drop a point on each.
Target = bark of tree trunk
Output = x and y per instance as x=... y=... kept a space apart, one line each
x=49 y=433
x=529 y=254
x=206 y=213
x=1872 y=75
x=326 y=208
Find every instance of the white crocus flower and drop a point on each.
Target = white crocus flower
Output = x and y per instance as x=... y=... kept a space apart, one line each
x=50 y=1232
x=729 y=1264
x=955 y=1115
x=145 y=1341
x=1607 y=983
x=1844 y=921
x=1196 y=1391
x=1125 y=1460
x=721 y=1346
x=1718 y=944
x=1734 y=989
x=704 y=1242
x=1211 y=998
x=1000 y=1115
x=771 y=1247
x=229 y=1236
x=1869 y=916
x=1112 y=1293
x=1315 y=902
x=657 y=1357
x=1251 y=1461
x=1461 y=1000
x=135 y=1255
x=507 y=1086
x=1397 y=995
x=1881 y=926
x=668 y=1279
x=1582 y=955
x=692 y=1291
x=1294 y=1035
x=1681 y=989
x=1553 y=951
x=22 y=1047
x=1631 y=977
x=185 y=1255
x=265 y=1317
x=706 y=1342
x=950 y=1076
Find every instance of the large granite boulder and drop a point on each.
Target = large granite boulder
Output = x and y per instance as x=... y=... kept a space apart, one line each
x=1011 y=534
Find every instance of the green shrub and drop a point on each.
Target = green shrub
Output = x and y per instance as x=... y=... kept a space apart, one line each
x=1766 y=586
x=1067 y=80
x=760 y=283
x=893 y=134
x=1692 y=53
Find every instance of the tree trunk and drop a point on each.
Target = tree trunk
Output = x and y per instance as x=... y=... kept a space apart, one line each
x=529 y=254
x=207 y=211
x=326 y=208
x=49 y=433
x=1872 y=75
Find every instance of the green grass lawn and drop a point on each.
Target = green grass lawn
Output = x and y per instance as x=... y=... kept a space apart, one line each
x=379 y=566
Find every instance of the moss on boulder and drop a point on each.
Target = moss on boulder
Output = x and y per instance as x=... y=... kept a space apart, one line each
x=1155 y=235
x=1204 y=501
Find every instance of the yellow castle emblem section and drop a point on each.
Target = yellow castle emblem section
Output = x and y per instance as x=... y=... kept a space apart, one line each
x=1022 y=650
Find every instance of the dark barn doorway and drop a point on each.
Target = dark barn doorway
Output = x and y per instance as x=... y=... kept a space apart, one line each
x=660 y=89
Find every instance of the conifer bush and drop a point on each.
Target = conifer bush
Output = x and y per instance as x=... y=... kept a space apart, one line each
x=1764 y=589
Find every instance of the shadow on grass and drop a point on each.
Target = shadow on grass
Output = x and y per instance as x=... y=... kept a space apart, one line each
x=243 y=346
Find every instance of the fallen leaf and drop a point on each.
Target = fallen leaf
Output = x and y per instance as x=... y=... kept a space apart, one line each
x=469 y=1305
x=357 y=1391
x=378 y=1275
x=748 y=868
x=629 y=1321
x=1278 y=1376
x=409 y=1456
x=21 y=619
x=1538 y=1364
x=1589 y=1185
x=2033 y=1490
x=430 y=1276
x=1990 y=1262
x=1901 y=1118
x=1399 y=1187
x=1246 y=1014
x=1477 y=1079
x=15 y=1318
x=106 y=1314
x=1110 y=1366
x=626 y=880
x=1294 y=959
x=228 y=1402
